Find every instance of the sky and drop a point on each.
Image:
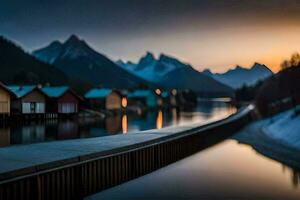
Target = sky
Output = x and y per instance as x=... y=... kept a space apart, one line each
x=213 y=34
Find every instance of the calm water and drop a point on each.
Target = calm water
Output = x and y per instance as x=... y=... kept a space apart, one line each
x=90 y=127
x=225 y=171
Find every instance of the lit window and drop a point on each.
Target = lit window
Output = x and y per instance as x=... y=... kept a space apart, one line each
x=124 y=102
x=157 y=91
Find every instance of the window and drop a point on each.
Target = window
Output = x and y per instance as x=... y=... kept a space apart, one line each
x=67 y=108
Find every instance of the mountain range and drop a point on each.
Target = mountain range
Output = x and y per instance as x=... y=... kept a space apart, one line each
x=79 y=61
x=169 y=72
x=152 y=69
x=240 y=76
x=74 y=62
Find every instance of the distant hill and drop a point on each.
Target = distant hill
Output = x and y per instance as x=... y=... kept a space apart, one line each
x=282 y=86
x=79 y=61
x=168 y=72
x=18 y=67
x=240 y=76
x=189 y=78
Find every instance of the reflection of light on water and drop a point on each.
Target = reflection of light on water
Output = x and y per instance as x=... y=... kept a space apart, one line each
x=174 y=115
x=124 y=124
x=55 y=129
x=159 y=120
x=139 y=111
x=234 y=162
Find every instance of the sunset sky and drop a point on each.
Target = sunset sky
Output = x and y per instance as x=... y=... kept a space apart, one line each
x=205 y=33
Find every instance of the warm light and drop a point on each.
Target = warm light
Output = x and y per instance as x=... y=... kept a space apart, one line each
x=174 y=115
x=124 y=102
x=159 y=120
x=157 y=91
x=124 y=124
x=139 y=111
x=174 y=92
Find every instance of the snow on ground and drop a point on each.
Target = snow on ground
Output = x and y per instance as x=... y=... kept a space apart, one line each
x=284 y=127
x=277 y=137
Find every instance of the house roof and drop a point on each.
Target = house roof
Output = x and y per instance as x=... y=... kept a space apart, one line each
x=7 y=89
x=55 y=92
x=97 y=93
x=21 y=91
x=140 y=93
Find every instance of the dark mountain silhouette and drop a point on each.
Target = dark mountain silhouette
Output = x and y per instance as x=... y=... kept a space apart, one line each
x=188 y=78
x=240 y=76
x=18 y=67
x=49 y=53
x=79 y=61
x=281 y=91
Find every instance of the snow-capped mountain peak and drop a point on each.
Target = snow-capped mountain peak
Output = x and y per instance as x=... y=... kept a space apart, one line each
x=153 y=69
x=146 y=61
x=80 y=61
x=49 y=53
x=171 y=63
x=74 y=48
x=125 y=65
x=258 y=66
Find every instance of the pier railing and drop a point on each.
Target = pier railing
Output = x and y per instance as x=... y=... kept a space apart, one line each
x=77 y=180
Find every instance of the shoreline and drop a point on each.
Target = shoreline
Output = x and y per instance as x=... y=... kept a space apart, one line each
x=254 y=136
x=93 y=165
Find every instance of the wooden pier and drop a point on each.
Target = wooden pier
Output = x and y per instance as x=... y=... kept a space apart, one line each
x=77 y=168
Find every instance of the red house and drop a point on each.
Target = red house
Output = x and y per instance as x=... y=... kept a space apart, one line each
x=61 y=100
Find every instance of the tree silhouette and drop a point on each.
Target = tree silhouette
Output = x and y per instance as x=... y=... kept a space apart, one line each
x=293 y=62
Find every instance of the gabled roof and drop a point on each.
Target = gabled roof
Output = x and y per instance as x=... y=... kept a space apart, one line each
x=140 y=93
x=55 y=92
x=21 y=91
x=4 y=87
x=97 y=93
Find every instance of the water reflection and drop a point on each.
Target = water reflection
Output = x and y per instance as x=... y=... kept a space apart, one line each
x=228 y=170
x=159 y=120
x=120 y=124
x=113 y=124
x=28 y=134
x=174 y=114
x=67 y=130
x=124 y=124
x=4 y=137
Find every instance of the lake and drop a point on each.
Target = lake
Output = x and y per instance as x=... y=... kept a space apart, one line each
x=228 y=170
x=52 y=130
